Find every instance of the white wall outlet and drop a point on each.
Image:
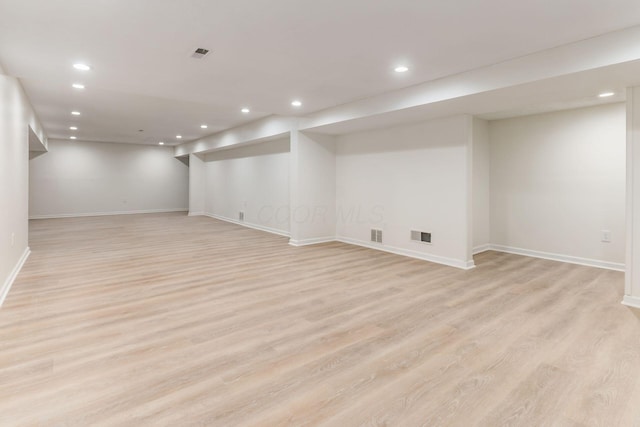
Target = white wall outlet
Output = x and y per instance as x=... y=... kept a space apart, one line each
x=13 y=239
x=606 y=236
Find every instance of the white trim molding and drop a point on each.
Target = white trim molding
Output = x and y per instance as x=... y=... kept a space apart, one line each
x=249 y=225
x=559 y=257
x=314 y=241
x=77 y=215
x=481 y=248
x=4 y=291
x=196 y=214
x=468 y=265
x=630 y=301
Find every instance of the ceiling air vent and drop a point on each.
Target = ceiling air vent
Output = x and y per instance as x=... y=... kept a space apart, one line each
x=200 y=53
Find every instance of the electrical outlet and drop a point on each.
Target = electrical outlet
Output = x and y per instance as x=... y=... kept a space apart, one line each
x=606 y=236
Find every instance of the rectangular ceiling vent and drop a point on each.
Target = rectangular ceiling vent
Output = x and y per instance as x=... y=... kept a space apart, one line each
x=420 y=236
x=376 y=235
x=200 y=53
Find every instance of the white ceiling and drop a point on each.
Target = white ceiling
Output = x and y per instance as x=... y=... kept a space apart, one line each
x=263 y=54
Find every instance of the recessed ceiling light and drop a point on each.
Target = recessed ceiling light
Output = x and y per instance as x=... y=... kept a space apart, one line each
x=179 y=136
x=75 y=113
x=401 y=69
x=72 y=137
x=245 y=110
x=81 y=67
x=606 y=94
x=204 y=126
x=296 y=103
x=73 y=128
x=160 y=143
x=78 y=86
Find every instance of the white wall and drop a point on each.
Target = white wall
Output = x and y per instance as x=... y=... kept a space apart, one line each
x=82 y=178
x=253 y=179
x=407 y=178
x=197 y=184
x=313 y=188
x=481 y=185
x=632 y=276
x=16 y=116
x=558 y=180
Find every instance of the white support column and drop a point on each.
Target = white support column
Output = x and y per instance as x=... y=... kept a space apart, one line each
x=312 y=188
x=469 y=193
x=197 y=181
x=632 y=277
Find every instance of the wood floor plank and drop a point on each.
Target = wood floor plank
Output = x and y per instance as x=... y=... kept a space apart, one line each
x=433 y=392
x=165 y=319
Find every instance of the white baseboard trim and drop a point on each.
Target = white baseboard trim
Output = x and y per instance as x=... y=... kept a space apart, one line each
x=481 y=248
x=314 y=241
x=412 y=254
x=196 y=214
x=77 y=215
x=630 y=301
x=558 y=257
x=249 y=225
x=4 y=291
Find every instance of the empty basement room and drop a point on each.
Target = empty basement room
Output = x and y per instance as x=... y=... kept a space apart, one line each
x=319 y=213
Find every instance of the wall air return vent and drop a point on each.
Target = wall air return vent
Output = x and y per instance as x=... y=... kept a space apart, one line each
x=376 y=235
x=241 y=216
x=200 y=53
x=420 y=236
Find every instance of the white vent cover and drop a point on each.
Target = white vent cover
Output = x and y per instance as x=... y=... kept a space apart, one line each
x=200 y=53
x=420 y=236
x=376 y=235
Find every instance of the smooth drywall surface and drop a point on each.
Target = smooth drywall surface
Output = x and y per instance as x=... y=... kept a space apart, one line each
x=632 y=276
x=263 y=130
x=16 y=117
x=558 y=182
x=86 y=178
x=313 y=188
x=481 y=184
x=252 y=179
x=197 y=184
x=407 y=178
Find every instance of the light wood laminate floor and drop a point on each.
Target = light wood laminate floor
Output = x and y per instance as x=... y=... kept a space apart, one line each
x=169 y=320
